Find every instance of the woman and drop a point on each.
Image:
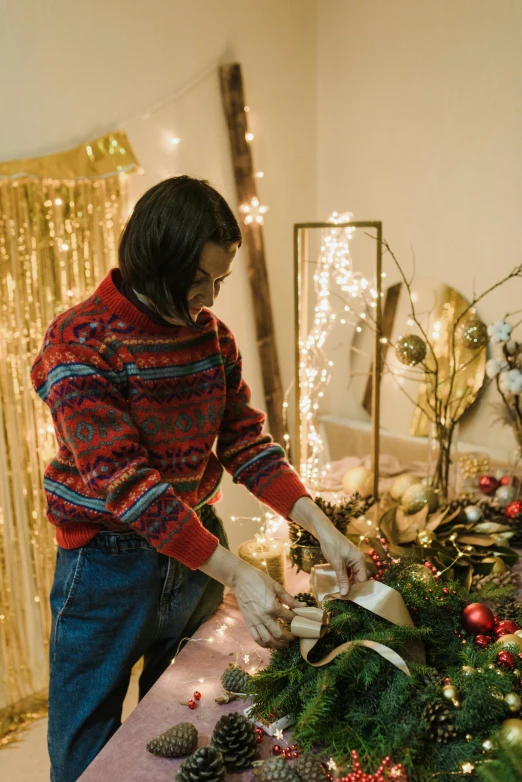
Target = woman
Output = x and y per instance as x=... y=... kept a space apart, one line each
x=142 y=379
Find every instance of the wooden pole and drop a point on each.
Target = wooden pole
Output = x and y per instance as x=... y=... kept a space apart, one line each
x=232 y=93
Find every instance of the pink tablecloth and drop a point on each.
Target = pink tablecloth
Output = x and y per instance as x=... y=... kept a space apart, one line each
x=125 y=756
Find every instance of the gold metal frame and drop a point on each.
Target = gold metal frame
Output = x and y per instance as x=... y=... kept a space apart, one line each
x=301 y=330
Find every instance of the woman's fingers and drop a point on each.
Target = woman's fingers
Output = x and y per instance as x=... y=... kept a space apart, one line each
x=358 y=566
x=286 y=598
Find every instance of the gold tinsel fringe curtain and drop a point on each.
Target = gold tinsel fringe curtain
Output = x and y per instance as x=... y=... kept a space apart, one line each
x=58 y=238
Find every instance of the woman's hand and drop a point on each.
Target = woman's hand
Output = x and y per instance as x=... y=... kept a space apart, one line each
x=342 y=555
x=262 y=603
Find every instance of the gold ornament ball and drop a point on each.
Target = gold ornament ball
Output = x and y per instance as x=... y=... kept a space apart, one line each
x=518 y=632
x=417 y=496
x=513 y=701
x=400 y=484
x=499 y=566
x=469 y=737
x=512 y=731
x=456 y=703
x=517 y=673
x=472 y=334
x=420 y=573
x=410 y=350
x=487 y=745
x=358 y=479
x=450 y=692
x=512 y=638
x=467 y=670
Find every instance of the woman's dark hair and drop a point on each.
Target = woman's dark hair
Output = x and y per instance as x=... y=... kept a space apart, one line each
x=163 y=239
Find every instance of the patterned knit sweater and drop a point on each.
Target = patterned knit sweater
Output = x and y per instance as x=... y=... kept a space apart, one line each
x=137 y=408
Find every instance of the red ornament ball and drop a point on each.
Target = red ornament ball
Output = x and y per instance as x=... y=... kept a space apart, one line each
x=276 y=750
x=192 y=704
x=483 y=641
x=509 y=480
x=445 y=591
x=197 y=696
x=259 y=738
x=488 y=484
x=506 y=658
x=477 y=618
x=514 y=509
x=295 y=753
x=507 y=625
x=287 y=752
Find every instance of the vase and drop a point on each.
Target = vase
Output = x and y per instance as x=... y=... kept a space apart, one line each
x=442 y=452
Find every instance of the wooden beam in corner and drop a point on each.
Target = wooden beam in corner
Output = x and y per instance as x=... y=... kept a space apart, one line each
x=234 y=102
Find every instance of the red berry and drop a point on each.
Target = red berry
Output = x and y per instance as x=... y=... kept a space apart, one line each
x=293 y=746
x=197 y=696
x=295 y=753
x=276 y=750
x=192 y=704
x=259 y=738
x=447 y=680
x=445 y=591
x=287 y=752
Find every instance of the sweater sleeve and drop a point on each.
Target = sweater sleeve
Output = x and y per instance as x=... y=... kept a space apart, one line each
x=249 y=455
x=92 y=422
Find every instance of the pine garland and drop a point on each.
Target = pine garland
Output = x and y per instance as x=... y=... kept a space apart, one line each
x=361 y=702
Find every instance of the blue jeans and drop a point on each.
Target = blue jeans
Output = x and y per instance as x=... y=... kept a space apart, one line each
x=112 y=602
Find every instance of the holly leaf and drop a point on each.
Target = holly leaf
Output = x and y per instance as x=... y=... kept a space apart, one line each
x=409 y=525
x=477 y=540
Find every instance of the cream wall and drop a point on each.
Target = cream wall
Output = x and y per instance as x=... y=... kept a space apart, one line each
x=73 y=70
x=420 y=125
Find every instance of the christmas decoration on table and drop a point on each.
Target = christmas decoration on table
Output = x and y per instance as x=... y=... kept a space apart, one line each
x=306 y=597
x=450 y=354
x=464 y=537
x=306 y=768
x=264 y=555
x=277 y=770
x=235 y=738
x=235 y=679
x=205 y=765
x=385 y=772
x=434 y=720
x=305 y=551
x=181 y=739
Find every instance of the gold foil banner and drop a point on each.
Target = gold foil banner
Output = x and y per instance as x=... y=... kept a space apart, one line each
x=106 y=156
x=58 y=239
x=310 y=624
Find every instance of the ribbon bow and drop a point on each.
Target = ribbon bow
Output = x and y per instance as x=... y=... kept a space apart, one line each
x=311 y=624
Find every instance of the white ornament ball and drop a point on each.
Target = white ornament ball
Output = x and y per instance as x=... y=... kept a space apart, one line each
x=473 y=513
x=358 y=479
x=505 y=495
x=400 y=484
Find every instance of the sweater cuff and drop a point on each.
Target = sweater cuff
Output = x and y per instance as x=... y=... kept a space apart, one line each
x=193 y=545
x=283 y=492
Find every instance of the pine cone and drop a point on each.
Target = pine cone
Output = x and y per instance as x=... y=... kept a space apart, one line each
x=509 y=608
x=277 y=770
x=177 y=741
x=508 y=578
x=205 y=765
x=439 y=720
x=235 y=737
x=308 y=598
x=310 y=769
x=235 y=679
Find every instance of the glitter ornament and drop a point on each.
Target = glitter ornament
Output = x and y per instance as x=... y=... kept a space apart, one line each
x=483 y=641
x=477 y=618
x=506 y=495
x=488 y=484
x=505 y=624
x=400 y=484
x=192 y=704
x=197 y=696
x=417 y=496
x=514 y=509
x=410 y=350
x=472 y=334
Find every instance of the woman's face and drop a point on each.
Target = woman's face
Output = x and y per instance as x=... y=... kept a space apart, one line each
x=215 y=265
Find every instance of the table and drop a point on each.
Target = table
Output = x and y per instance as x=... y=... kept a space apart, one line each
x=125 y=755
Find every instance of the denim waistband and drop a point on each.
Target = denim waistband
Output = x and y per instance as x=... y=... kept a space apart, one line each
x=117 y=542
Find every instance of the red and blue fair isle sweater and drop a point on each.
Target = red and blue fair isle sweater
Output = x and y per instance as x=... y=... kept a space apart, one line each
x=137 y=408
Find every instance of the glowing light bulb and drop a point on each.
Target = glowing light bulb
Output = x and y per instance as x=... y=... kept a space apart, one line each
x=249 y=136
